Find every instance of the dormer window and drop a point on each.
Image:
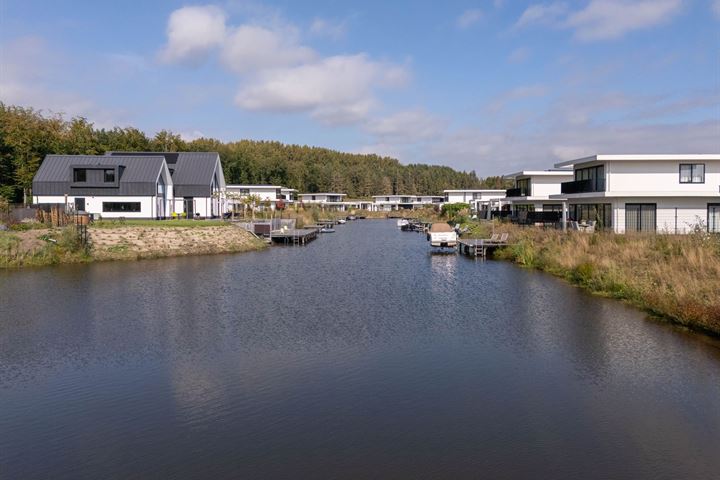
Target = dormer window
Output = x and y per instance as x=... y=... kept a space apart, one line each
x=109 y=175
x=79 y=175
x=692 y=173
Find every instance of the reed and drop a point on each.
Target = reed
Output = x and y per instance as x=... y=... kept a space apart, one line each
x=676 y=277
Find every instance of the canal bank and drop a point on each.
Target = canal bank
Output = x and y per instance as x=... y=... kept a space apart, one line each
x=116 y=241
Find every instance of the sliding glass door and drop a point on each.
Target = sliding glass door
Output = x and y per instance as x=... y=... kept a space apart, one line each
x=640 y=217
x=713 y=217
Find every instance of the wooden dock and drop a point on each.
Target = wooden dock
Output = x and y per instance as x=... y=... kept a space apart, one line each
x=478 y=247
x=294 y=236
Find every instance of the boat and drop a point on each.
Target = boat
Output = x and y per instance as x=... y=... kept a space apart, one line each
x=403 y=223
x=327 y=230
x=442 y=235
x=351 y=217
x=341 y=221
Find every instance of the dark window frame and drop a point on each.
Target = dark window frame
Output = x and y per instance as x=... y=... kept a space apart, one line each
x=76 y=175
x=603 y=213
x=717 y=227
x=640 y=217
x=595 y=174
x=111 y=207
x=107 y=171
x=692 y=170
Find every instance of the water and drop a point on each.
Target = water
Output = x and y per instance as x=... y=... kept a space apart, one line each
x=358 y=356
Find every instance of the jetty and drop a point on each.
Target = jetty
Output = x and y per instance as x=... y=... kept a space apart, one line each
x=479 y=247
x=294 y=236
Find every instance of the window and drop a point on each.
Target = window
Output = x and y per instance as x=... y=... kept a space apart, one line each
x=599 y=212
x=109 y=176
x=244 y=191
x=172 y=170
x=524 y=208
x=595 y=177
x=692 y=173
x=640 y=217
x=713 y=220
x=524 y=186
x=111 y=207
x=79 y=204
x=552 y=207
x=79 y=175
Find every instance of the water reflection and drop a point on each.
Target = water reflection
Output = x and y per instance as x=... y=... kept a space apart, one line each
x=358 y=353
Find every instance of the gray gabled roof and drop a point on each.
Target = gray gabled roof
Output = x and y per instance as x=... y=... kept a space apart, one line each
x=192 y=171
x=137 y=174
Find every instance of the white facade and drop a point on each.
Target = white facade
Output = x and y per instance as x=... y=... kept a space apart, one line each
x=387 y=203
x=648 y=193
x=533 y=189
x=471 y=196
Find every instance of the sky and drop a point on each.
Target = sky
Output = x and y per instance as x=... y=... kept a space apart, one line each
x=492 y=86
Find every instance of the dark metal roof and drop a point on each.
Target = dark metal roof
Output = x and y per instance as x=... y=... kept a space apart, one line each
x=137 y=175
x=192 y=171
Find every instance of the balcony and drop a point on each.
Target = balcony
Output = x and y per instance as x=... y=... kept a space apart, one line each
x=516 y=192
x=583 y=186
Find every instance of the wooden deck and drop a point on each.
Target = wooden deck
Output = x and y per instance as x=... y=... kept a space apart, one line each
x=478 y=247
x=298 y=236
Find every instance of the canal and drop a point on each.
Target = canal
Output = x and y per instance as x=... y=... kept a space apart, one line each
x=360 y=355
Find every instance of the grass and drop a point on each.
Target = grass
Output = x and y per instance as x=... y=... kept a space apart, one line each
x=158 y=223
x=676 y=277
x=66 y=248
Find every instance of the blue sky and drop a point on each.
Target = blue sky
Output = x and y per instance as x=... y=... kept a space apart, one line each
x=492 y=85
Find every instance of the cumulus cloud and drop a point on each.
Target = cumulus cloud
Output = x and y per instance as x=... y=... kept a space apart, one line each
x=251 y=48
x=410 y=125
x=609 y=19
x=602 y=19
x=333 y=87
x=193 y=32
x=469 y=18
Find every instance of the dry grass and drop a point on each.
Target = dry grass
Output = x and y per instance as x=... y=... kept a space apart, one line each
x=675 y=277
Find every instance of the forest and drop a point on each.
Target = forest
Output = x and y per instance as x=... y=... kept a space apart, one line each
x=27 y=135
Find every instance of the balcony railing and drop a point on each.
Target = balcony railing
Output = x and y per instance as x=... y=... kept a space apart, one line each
x=582 y=186
x=516 y=192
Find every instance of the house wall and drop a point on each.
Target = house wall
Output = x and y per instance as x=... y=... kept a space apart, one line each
x=544 y=185
x=658 y=176
x=94 y=204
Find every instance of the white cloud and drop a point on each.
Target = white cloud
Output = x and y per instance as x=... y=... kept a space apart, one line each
x=542 y=14
x=251 y=48
x=340 y=86
x=716 y=7
x=609 y=19
x=469 y=18
x=602 y=19
x=193 y=32
x=327 y=28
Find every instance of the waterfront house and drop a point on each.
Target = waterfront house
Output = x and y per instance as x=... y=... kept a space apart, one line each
x=198 y=181
x=332 y=201
x=480 y=200
x=265 y=195
x=288 y=195
x=645 y=193
x=129 y=186
x=387 y=203
x=533 y=189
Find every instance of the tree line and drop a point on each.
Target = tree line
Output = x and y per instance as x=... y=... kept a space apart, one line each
x=27 y=135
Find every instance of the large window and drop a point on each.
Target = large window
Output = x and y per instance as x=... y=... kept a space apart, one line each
x=524 y=208
x=109 y=175
x=640 y=217
x=115 y=207
x=713 y=220
x=524 y=186
x=599 y=212
x=552 y=207
x=692 y=173
x=595 y=175
x=79 y=175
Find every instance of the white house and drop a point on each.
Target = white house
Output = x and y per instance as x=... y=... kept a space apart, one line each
x=128 y=186
x=288 y=195
x=383 y=203
x=645 y=193
x=198 y=181
x=266 y=194
x=533 y=189
x=324 y=200
x=479 y=199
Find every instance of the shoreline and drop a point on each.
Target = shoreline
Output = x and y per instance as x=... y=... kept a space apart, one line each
x=45 y=247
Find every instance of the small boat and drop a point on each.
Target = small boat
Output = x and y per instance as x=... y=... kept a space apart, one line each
x=403 y=223
x=327 y=230
x=351 y=217
x=341 y=221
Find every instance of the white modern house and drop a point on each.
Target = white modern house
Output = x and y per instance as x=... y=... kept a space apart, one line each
x=264 y=194
x=198 y=180
x=388 y=203
x=324 y=200
x=645 y=193
x=288 y=195
x=533 y=189
x=111 y=187
x=133 y=184
x=480 y=200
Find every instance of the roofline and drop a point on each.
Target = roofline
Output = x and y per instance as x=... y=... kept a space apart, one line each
x=325 y=193
x=254 y=186
x=540 y=173
x=473 y=191
x=639 y=157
